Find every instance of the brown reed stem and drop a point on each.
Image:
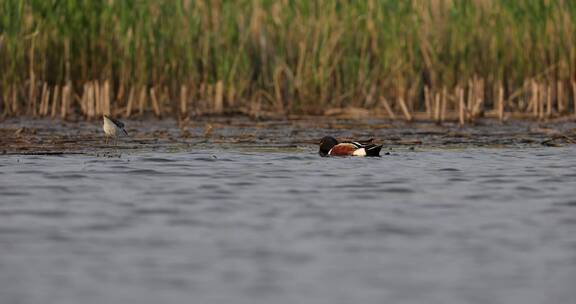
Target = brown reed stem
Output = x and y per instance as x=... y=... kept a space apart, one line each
x=97 y=98
x=46 y=101
x=500 y=103
x=560 y=98
x=142 y=100
x=43 y=101
x=387 y=107
x=15 y=105
x=66 y=92
x=471 y=96
x=231 y=98
x=91 y=100
x=574 y=96
x=479 y=97
x=534 y=99
x=461 y=106
x=427 y=101
x=444 y=102
x=106 y=97
x=548 y=101
x=67 y=72
x=32 y=88
x=55 y=100
x=436 y=107
x=183 y=101
x=5 y=100
x=130 y=102
x=404 y=108
x=541 y=100
x=218 y=98
x=83 y=103
x=155 y=105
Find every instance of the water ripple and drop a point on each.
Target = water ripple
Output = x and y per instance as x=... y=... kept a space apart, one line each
x=269 y=225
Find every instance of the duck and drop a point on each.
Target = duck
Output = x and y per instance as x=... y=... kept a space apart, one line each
x=113 y=128
x=329 y=146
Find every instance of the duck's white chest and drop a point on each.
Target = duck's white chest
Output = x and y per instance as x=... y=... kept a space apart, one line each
x=359 y=152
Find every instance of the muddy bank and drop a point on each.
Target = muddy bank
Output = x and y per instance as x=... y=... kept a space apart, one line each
x=45 y=136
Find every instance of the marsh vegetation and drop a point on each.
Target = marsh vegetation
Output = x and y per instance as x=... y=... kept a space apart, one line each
x=436 y=60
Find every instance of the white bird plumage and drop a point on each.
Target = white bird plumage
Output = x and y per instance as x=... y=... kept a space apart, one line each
x=113 y=128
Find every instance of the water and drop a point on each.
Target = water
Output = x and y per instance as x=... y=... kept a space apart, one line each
x=237 y=226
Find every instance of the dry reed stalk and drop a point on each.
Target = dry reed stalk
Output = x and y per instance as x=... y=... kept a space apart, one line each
x=83 y=106
x=479 y=95
x=437 y=107
x=67 y=72
x=256 y=106
x=5 y=100
x=218 y=98
x=411 y=98
x=500 y=104
x=163 y=98
x=548 y=101
x=15 y=105
x=106 y=98
x=183 y=100
x=278 y=89
x=84 y=99
x=120 y=93
x=32 y=88
x=444 y=102
x=574 y=96
x=142 y=100
x=90 y=100
x=42 y=93
x=471 y=96
x=130 y=102
x=427 y=102
x=560 y=98
x=523 y=96
x=541 y=100
x=231 y=96
x=387 y=107
x=43 y=100
x=55 y=100
x=534 y=99
x=4 y=106
x=461 y=106
x=201 y=96
x=97 y=98
x=46 y=101
x=404 y=108
x=209 y=97
x=66 y=92
x=155 y=105
x=369 y=100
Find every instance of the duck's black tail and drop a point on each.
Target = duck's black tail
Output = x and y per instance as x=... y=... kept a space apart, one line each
x=373 y=150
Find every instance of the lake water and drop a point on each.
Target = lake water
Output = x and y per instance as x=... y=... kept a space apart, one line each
x=476 y=225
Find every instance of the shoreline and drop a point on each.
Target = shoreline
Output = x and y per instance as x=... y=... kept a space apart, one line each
x=21 y=136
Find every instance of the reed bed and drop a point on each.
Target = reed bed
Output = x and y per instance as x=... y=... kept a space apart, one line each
x=436 y=59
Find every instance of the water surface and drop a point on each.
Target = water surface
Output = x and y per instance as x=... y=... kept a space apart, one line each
x=257 y=226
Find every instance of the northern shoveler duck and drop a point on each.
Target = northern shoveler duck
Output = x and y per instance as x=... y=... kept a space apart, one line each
x=329 y=146
x=113 y=128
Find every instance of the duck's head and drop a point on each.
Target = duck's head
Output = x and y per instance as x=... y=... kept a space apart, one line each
x=326 y=144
